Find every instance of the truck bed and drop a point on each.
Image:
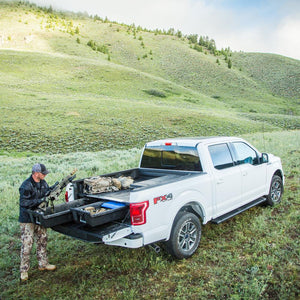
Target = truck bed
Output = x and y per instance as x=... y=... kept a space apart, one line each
x=102 y=226
x=143 y=179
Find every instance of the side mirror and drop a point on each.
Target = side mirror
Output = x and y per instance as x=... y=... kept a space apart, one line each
x=264 y=158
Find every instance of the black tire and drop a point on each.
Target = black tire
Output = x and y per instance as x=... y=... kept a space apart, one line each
x=276 y=191
x=185 y=235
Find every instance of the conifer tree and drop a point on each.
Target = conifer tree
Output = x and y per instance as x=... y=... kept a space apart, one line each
x=229 y=63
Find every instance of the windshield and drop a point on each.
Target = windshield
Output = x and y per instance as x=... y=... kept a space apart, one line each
x=171 y=157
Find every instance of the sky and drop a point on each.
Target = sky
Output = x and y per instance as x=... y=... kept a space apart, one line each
x=269 y=26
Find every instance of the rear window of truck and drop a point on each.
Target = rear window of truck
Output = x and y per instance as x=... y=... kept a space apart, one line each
x=171 y=157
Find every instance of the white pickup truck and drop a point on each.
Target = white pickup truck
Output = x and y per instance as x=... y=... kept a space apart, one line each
x=179 y=184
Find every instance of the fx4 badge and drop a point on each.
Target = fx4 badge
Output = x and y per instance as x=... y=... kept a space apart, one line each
x=163 y=198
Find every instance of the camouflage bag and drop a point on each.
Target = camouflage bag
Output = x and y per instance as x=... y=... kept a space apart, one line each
x=100 y=184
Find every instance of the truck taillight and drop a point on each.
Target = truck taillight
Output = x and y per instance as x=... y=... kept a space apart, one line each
x=138 y=212
x=67 y=196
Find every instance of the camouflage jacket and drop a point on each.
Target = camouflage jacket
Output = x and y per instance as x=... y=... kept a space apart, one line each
x=31 y=194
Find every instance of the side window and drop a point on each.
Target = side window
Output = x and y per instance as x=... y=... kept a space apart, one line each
x=245 y=154
x=221 y=156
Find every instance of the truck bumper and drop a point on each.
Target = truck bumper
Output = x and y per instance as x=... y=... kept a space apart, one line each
x=130 y=241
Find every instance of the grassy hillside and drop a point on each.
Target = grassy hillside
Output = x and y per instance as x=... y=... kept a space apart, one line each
x=60 y=95
x=279 y=74
x=48 y=104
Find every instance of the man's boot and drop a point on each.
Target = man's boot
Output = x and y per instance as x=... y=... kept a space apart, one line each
x=48 y=268
x=24 y=276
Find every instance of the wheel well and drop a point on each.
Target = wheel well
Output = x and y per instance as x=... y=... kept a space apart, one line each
x=194 y=208
x=278 y=173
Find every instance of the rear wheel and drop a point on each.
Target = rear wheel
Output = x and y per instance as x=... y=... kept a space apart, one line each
x=185 y=235
x=276 y=190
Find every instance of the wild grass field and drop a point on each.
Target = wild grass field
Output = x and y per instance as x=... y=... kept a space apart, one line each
x=254 y=255
x=80 y=91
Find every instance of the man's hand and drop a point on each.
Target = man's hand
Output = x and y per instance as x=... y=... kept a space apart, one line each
x=52 y=198
x=44 y=203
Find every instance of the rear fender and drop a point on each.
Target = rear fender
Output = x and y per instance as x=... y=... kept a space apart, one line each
x=192 y=207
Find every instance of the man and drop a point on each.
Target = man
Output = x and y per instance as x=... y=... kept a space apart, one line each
x=32 y=193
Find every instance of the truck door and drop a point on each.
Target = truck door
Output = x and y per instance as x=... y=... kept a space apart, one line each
x=253 y=172
x=227 y=179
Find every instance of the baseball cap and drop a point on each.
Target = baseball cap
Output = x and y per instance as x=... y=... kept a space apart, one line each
x=40 y=168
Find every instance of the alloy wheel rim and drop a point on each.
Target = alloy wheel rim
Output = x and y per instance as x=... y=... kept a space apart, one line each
x=187 y=236
x=276 y=191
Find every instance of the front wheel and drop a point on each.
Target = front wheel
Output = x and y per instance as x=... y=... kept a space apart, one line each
x=276 y=190
x=185 y=235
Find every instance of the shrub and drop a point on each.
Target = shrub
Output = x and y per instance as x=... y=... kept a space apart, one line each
x=101 y=48
x=193 y=38
x=198 y=48
x=171 y=31
x=156 y=93
x=179 y=34
x=91 y=43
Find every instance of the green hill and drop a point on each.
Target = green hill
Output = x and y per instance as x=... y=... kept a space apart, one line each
x=70 y=82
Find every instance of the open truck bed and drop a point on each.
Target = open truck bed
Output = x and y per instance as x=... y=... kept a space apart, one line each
x=143 y=179
x=72 y=218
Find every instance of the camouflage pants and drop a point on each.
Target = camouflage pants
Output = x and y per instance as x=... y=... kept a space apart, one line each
x=29 y=233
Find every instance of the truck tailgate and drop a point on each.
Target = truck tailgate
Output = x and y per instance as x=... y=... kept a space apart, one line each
x=101 y=234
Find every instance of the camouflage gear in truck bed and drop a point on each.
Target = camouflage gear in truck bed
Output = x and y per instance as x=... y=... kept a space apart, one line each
x=95 y=185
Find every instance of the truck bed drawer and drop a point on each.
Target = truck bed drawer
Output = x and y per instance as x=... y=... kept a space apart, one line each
x=61 y=214
x=100 y=213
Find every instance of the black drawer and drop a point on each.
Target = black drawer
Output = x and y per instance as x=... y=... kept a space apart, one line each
x=61 y=214
x=112 y=211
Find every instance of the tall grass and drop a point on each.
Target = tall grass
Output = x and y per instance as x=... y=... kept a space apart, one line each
x=253 y=255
